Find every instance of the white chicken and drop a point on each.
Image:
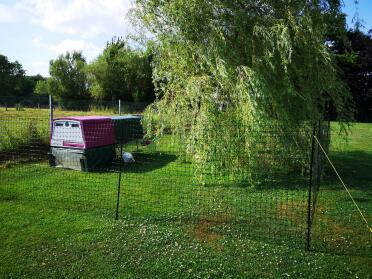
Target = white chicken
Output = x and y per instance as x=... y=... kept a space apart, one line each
x=127 y=157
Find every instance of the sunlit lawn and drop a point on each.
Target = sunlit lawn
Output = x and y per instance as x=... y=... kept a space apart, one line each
x=60 y=223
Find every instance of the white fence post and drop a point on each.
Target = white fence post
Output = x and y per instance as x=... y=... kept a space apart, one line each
x=51 y=114
x=119 y=107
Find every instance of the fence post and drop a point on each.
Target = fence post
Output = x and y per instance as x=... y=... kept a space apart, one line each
x=51 y=114
x=310 y=188
x=119 y=184
x=319 y=160
x=120 y=171
x=119 y=107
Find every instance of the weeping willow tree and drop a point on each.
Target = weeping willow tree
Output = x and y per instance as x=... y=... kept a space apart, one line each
x=226 y=70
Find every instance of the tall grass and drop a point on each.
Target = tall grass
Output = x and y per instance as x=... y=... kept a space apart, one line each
x=20 y=128
x=20 y=132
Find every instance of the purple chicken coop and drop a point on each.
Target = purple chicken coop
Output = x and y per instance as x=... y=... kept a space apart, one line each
x=84 y=143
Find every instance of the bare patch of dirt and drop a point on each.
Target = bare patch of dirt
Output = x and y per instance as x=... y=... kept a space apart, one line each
x=339 y=231
x=203 y=230
x=332 y=232
x=292 y=210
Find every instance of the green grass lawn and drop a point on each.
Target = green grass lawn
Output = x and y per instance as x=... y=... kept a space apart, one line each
x=60 y=223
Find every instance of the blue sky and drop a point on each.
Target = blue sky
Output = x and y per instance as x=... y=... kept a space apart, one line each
x=364 y=9
x=36 y=31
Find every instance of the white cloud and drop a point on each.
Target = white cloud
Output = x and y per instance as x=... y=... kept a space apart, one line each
x=86 y=18
x=39 y=67
x=90 y=51
x=63 y=25
x=9 y=13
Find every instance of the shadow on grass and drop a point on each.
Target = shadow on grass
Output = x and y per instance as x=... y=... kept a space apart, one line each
x=36 y=152
x=8 y=196
x=147 y=162
x=338 y=228
x=354 y=167
x=289 y=182
x=285 y=181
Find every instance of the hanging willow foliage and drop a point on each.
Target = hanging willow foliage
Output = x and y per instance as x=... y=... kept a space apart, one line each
x=226 y=70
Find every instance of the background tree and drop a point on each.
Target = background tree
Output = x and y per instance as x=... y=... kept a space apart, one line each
x=42 y=87
x=122 y=73
x=68 y=78
x=28 y=84
x=15 y=86
x=356 y=66
x=352 y=50
x=11 y=74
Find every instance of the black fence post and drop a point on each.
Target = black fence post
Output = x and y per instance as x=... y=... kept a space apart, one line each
x=310 y=190
x=319 y=162
x=120 y=171
x=119 y=182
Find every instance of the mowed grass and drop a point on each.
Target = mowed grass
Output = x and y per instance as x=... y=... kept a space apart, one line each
x=338 y=225
x=60 y=223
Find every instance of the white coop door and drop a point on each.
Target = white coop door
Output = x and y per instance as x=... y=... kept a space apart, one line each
x=67 y=133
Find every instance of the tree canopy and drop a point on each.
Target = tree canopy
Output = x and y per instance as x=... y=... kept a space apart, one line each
x=122 y=73
x=232 y=64
x=356 y=65
x=14 y=84
x=10 y=75
x=68 y=79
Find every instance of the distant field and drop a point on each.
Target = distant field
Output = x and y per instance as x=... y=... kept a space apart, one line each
x=59 y=223
x=44 y=113
x=20 y=127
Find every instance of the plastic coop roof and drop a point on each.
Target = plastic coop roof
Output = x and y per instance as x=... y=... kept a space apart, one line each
x=96 y=130
x=125 y=117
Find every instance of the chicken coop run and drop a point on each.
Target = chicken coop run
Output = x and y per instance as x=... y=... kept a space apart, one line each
x=127 y=128
x=88 y=143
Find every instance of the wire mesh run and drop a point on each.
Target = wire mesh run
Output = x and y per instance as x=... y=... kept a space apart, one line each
x=107 y=166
